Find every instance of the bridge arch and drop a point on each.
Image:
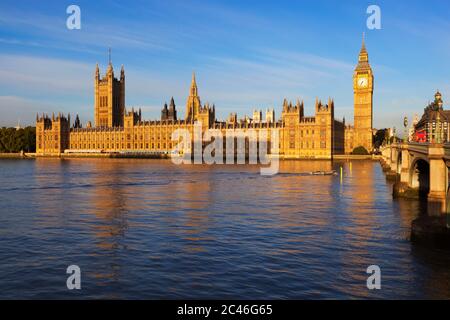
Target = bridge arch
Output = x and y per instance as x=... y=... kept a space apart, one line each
x=420 y=176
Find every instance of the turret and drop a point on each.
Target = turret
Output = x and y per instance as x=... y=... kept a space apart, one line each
x=164 y=113
x=438 y=100
x=207 y=115
x=132 y=118
x=77 y=123
x=97 y=72
x=270 y=115
x=301 y=108
x=172 y=114
x=290 y=112
x=285 y=105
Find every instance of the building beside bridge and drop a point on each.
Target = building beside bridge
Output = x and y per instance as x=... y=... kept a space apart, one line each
x=117 y=129
x=434 y=125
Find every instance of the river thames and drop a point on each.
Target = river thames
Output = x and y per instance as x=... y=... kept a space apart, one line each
x=148 y=229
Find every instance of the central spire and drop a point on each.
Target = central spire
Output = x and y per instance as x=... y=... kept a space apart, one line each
x=194 y=92
x=110 y=67
x=193 y=104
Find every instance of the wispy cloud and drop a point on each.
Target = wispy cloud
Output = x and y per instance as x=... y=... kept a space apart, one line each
x=234 y=84
x=14 y=109
x=246 y=56
x=34 y=75
x=93 y=34
x=268 y=76
x=302 y=58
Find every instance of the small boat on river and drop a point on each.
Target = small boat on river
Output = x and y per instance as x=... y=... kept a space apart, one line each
x=324 y=173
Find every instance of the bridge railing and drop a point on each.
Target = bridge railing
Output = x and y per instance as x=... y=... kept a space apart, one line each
x=418 y=147
x=412 y=146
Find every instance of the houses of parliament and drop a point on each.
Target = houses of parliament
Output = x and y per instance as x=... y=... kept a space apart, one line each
x=118 y=130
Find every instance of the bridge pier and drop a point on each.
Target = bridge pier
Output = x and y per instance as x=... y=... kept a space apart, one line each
x=406 y=162
x=403 y=187
x=438 y=181
x=394 y=159
x=391 y=163
x=385 y=159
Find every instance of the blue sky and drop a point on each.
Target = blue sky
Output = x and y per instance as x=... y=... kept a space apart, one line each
x=246 y=55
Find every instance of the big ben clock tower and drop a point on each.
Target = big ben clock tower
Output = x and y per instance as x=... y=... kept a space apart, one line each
x=363 y=101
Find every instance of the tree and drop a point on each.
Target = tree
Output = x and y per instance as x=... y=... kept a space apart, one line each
x=12 y=140
x=380 y=138
x=360 y=151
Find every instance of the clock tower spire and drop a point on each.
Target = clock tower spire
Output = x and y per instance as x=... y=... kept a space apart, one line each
x=363 y=100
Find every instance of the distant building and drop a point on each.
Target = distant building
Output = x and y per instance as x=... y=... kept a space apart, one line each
x=433 y=126
x=412 y=128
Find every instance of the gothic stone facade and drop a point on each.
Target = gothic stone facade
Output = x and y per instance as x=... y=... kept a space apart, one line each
x=116 y=130
x=434 y=125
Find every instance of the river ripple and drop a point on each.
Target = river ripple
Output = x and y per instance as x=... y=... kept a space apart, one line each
x=149 y=229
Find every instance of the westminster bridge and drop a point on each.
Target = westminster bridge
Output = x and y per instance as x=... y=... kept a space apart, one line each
x=421 y=171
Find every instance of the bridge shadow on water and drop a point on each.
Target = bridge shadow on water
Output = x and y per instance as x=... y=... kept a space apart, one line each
x=422 y=171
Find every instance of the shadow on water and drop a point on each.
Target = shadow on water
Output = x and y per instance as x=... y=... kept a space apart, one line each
x=431 y=273
x=430 y=227
x=423 y=169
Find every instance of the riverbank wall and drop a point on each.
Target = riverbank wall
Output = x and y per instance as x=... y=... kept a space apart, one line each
x=104 y=155
x=357 y=157
x=138 y=155
x=18 y=155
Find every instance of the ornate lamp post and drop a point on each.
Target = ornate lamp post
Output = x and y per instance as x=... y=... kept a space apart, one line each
x=405 y=136
x=394 y=135
x=438 y=128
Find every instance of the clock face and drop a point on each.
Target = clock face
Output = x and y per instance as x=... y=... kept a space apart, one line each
x=363 y=82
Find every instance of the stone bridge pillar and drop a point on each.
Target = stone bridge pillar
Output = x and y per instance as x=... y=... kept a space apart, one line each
x=387 y=155
x=402 y=186
x=394 y=156
x=438 y=180
x=406 y=162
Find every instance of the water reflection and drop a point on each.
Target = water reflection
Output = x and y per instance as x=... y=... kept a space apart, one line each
x=149 y=229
